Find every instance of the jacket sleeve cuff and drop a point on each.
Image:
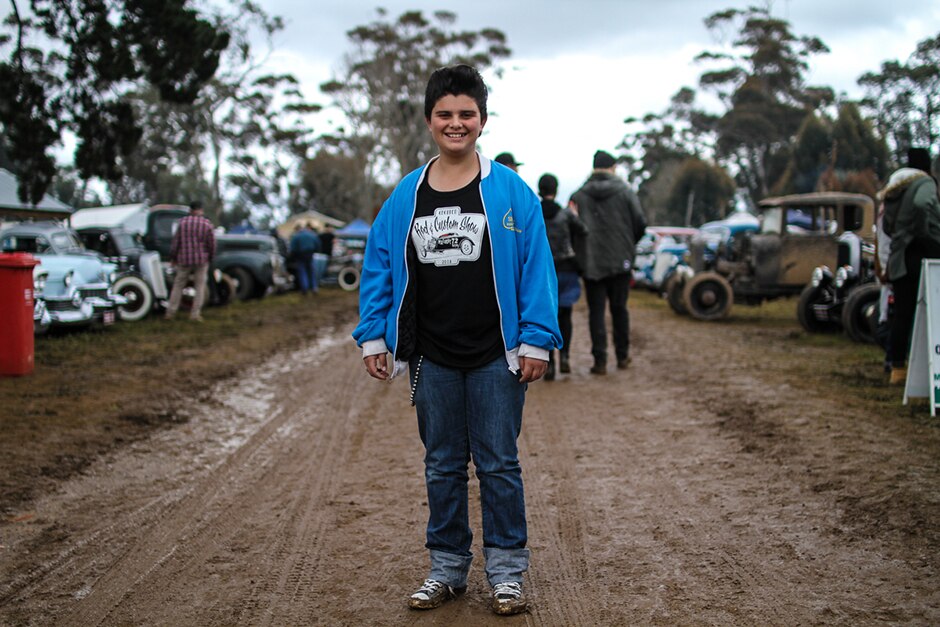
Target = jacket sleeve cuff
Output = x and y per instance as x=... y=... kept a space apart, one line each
x=375 y=347
x=527 y=350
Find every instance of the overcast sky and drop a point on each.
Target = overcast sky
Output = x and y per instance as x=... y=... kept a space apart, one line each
x=579 y=68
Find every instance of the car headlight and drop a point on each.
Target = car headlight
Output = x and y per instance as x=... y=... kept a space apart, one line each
x=112 y=277
x=39 y=284
x=68 y=278
x=817 y=277
x=822 y=275
x=842 y=275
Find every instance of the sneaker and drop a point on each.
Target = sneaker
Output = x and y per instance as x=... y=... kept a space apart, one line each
x=622 y=364
x=431 y=594
x=508 y=598
x=564 y=367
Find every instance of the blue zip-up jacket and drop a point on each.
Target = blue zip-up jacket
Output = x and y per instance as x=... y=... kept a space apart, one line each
x=523 y=271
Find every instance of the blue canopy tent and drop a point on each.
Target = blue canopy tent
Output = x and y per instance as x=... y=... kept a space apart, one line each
x=357 y=228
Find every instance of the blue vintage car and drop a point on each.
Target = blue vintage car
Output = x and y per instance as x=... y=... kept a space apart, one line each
x=73 y=285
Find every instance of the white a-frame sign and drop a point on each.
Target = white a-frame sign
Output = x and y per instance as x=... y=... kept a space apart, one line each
x=923 y=363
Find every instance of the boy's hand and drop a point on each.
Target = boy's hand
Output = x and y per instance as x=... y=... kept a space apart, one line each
x=377 y=366
x=531 y=369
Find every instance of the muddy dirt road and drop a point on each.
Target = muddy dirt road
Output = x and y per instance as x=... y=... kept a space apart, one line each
x=697 y=488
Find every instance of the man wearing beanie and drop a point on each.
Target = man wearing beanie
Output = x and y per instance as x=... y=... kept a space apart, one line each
x=612 y=214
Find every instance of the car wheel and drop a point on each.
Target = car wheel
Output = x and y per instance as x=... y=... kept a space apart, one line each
x=139 y=297
x=225 y=288
x=860 y=313
x=708 y=296
x=806 y=313
x=466 y=247
x=674 y=288
x=348 y=278
x=245 y=283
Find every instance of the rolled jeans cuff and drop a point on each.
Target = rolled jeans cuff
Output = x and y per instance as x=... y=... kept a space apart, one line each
x=450 y=568
x=505 y=565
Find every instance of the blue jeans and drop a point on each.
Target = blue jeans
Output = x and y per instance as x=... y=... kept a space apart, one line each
x=307 y=274
x=464 y=415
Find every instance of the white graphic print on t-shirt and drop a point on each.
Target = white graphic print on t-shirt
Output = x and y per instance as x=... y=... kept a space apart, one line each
x=448 y=237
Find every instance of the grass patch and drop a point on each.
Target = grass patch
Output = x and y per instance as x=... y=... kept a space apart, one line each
x=826 y=363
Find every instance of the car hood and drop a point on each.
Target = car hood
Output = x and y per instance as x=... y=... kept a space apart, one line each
x=85 y=269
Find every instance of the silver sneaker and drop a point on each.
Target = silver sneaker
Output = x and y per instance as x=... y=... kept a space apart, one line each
x=508 y=598
x=431 y=594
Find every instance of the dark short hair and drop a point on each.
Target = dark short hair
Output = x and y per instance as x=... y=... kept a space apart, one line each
x=455 y=80
x=548 y=185
x=195 y=205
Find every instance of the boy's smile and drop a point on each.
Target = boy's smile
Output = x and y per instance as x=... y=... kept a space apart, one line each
x=455 y=124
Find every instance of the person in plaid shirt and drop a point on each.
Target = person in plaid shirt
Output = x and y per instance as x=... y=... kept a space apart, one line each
x=191 y=253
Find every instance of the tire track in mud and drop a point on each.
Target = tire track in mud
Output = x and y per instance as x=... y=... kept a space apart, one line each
x=560 y=572
x=170 y=557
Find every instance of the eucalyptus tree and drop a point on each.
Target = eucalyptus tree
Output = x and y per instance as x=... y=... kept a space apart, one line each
x=381 y=83
x=240 y=143
x=762 y=88
x=904 y=99
x=69 y=65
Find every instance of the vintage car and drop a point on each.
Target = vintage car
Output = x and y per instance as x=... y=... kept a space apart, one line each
x=448 y=241
x=797 y=234
x=344 y=265
x=846 y=298
x=73 y=284
x=253 y=262
x=658 y=252
x=141 y=280
x=718 y=239
x=41 y=318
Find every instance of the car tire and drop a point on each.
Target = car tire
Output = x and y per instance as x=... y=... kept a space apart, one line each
x=138 y=294
x=809 y=297
x=225 y=289
x=860 y=313
x=708 y=296
x=245 y=282
x=675 y=286
x=348 y=278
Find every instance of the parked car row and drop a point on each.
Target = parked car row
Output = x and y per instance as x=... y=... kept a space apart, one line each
x=818 y=246
x=98 y=273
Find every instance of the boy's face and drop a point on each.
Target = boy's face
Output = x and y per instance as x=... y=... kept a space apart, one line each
x=455 y=125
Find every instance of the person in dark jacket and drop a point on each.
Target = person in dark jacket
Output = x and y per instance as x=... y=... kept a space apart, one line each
x=912 y=221
x=562 y=227
x=303 y=244
x=615 y=221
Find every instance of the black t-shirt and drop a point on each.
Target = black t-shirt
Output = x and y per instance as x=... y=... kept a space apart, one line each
x=457 y=314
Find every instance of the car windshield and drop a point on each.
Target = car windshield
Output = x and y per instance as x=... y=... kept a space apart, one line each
x=124 y=241
x=65 y=242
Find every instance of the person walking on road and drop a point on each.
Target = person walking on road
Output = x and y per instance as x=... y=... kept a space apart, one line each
x=562 y=226
x=191 y=252
x=615 y=221
x=458 y=283
x=304 y=243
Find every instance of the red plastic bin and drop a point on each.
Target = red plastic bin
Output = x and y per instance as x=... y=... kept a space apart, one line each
x=16 y=314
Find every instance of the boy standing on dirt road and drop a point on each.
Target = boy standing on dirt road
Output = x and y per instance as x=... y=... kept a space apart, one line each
x=458 y=283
